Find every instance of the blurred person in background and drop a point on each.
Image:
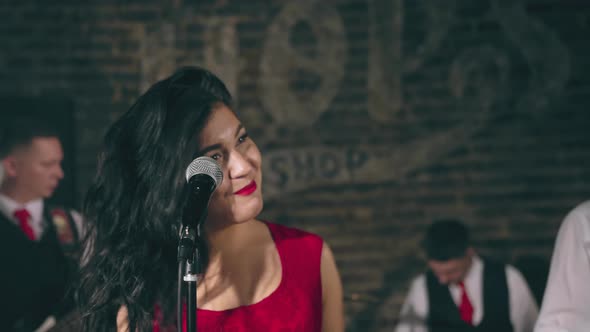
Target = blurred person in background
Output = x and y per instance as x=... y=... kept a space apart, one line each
x=462 y=291
x=39 y=243
x=566 y=303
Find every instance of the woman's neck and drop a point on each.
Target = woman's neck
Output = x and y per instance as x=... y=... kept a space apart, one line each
x=232 y=238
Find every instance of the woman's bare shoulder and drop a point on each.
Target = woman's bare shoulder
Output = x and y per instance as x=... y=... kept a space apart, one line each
x=122 y=319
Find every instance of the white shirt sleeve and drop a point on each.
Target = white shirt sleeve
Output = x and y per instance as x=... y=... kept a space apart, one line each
x=523 y=307
x=79 y=222
x=566 y=302
x=414 y=312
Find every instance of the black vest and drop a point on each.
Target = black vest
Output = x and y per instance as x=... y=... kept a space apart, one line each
x=444 y=314
x=36 y=275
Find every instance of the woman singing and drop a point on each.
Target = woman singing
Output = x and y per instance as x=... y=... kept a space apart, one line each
x=257 y=275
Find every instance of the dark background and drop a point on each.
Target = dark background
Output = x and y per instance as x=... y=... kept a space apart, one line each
x=374 y=117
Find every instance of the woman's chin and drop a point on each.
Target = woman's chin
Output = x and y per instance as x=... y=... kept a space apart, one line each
x=249 y=210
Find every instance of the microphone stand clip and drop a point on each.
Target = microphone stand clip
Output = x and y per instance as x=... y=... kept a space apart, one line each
x=188 y=257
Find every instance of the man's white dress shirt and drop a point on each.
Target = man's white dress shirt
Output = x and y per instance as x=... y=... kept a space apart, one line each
x=35 y=208
x=523 y=308
x=566 y=303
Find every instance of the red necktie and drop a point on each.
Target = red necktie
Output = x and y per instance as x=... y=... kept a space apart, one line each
x=465 y=307
x=23 y=217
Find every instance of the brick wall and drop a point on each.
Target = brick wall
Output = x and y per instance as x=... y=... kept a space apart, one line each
x=374 y=117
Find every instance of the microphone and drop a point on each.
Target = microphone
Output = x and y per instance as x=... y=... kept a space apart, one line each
x=203 y=176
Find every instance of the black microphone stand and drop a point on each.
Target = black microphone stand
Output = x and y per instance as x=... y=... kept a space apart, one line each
x=195 y=211
x=188 y=259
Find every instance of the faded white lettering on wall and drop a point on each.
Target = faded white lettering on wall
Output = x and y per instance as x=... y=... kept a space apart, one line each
x=157 y=54
x=280 y=60
x=389 y=60
x=222 y=52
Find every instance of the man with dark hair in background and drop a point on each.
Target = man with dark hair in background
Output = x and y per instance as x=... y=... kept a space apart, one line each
x=464 y=292
x=39 y=244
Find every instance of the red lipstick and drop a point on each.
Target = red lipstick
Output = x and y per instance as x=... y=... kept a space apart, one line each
x=247 y=190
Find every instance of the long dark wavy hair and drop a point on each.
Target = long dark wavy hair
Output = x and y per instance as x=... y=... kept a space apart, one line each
x=134 y=205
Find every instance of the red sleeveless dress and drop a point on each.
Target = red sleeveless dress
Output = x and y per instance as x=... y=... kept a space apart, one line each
x=296 y=304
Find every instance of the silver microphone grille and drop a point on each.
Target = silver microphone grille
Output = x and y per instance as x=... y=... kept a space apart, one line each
x=205 y=165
